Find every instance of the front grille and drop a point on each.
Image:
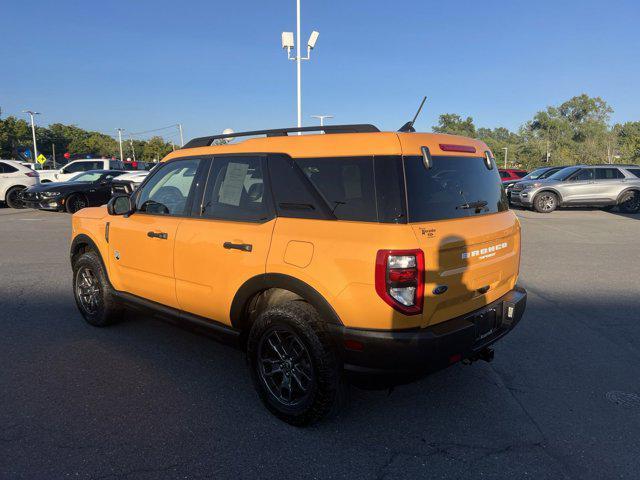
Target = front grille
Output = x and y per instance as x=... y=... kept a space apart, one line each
x=31 y=196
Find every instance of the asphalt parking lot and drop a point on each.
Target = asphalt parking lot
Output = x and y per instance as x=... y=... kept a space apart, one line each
x=145 y=400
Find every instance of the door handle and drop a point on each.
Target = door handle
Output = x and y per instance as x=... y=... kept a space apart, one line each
x=245 y=247
x=160 y=235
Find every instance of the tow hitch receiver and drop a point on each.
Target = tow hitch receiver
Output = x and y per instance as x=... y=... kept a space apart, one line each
x=485 y=354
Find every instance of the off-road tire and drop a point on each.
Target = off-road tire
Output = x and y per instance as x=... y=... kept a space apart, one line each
x=545 y=202
x=630 y=202
x=76 y=202
x=326 y=391
x=106 y=310
x=11 y=198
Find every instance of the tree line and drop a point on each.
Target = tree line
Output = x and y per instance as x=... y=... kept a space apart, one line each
x=16 y=136
x=577 y=131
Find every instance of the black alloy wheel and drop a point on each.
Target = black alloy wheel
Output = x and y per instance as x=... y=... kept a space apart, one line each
x=285 y=367
x=76 y=202
x=14 y=197
x=88 y=291
x=630 y=203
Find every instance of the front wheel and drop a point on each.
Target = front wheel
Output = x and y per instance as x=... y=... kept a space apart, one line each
x=13 y=197
x=630 y=202
x=545 y=202
x=93 y=293
x=293 y=364
x=76 y=202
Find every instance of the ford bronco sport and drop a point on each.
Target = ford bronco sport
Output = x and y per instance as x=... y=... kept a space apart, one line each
x=355 y=253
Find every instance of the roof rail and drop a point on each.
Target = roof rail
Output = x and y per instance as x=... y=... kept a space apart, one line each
x=283 y=132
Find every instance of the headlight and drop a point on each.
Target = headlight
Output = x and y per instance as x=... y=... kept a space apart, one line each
x=532 y=185
x=50 y=194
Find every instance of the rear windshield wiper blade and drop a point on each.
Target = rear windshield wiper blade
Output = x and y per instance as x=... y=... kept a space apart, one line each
x=475 y=205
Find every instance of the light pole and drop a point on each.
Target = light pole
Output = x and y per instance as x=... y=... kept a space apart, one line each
x=321 y=118
x=179 y=125
x=120 y=130
x=506 y=151
x=288 y=43
x=33 y=131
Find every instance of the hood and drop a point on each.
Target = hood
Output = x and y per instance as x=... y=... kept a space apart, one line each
x=54 y=186
x=521 y=185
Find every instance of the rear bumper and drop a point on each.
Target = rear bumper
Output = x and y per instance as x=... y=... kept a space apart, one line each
x=425 y=350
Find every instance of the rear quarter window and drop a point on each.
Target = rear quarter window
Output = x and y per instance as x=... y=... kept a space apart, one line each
x=634 y=171
x=454 y=187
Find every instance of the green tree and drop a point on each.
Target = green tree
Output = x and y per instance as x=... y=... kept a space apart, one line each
x=627 y=137
x=454 y=124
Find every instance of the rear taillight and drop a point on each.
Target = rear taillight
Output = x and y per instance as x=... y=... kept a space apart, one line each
x=449 y=147
x=400 y=279
x=32 y=174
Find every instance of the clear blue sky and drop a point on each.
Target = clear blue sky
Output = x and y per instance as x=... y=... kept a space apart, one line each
x=216 y=64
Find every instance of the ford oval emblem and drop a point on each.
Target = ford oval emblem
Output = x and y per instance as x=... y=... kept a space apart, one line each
x=440 y=289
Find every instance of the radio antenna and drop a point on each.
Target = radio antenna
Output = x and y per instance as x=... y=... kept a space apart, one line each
x=408 y=127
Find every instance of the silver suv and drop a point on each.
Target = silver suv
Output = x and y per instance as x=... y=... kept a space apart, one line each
x=582 y=185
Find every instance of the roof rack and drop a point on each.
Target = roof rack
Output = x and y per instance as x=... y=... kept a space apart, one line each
x=283 y=132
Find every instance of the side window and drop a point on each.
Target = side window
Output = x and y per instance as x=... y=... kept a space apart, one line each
x=167 y=191
x=583 y=174
x=76 y=167
x=634 y=171
x=390 y=189
x=608 y=174
x=346 y=184
x=293 y=193
x=236 y=190
x=520 y=174
x=505 y=175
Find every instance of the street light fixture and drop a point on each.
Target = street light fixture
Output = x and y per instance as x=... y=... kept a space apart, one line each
x=33 y=132
x=288 y=42
x=321 y=118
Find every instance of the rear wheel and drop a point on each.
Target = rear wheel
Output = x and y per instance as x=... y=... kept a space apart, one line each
x=545 y=202
x=630 y=202
x=76 y=202
x=293 y=364
x=93 y=293
x=13 y=198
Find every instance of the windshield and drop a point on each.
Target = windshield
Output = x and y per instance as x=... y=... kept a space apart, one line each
x=453 y=187
x=86 y=177
x=563 y=174
x=537 y=173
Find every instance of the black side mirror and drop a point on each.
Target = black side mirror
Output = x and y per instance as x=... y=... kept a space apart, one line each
x=120 y=205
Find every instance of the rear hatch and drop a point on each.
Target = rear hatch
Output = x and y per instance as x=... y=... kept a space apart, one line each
x=471 y=241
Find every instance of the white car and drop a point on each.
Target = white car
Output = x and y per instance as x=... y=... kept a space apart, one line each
x=128 y=182
x=75 y=167
x=15 y=177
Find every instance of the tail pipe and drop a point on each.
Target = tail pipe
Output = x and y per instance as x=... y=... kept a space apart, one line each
x=485 y=354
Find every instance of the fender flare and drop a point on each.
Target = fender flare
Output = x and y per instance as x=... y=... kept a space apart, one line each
x=626 y=190
x=548 y=189
x=266 y=281
x=83 y=239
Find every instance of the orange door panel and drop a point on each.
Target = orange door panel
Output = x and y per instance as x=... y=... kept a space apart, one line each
x=141 y=256
x=213 y=258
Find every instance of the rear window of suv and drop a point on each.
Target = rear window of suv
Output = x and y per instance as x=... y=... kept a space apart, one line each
x=454 y=187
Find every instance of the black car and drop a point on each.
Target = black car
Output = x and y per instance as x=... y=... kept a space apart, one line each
x=87 y=189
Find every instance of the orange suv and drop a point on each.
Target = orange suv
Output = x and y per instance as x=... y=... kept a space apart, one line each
x=350 y=254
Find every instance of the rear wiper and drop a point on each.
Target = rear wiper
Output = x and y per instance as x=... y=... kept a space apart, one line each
x=475 y=205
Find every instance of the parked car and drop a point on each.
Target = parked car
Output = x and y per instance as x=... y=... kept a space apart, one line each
x=604 y=186
x=537 y=174
x=14 y=178
x=77 y=166
x=511 y=174
x=128 y=182
x=138 y=165
x=87 y=189
x=383 y=254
